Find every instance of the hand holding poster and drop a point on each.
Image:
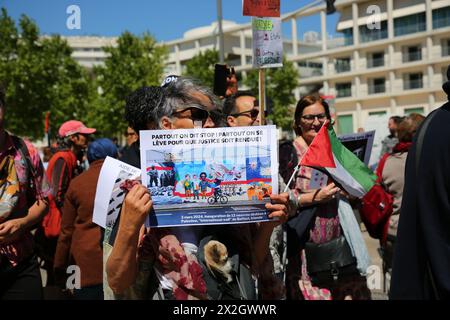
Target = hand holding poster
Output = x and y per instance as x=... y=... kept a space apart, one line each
x=209 y=176
x=267 y=43
x=261 y=8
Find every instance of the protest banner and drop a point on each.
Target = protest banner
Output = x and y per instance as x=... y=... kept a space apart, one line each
x=209 y=176
x=267 y=42
x=360 y=144
x=110 y=193
x=261 y=8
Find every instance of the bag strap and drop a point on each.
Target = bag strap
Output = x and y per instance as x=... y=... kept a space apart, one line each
x=22 y=148
x=419 y=144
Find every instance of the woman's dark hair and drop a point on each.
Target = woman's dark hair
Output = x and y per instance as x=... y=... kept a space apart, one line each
x=140 y=106
x=305 y=102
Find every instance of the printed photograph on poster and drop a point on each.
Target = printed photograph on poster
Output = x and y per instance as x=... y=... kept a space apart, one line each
x=360 y=144
x=115 y=178
x=209 y=176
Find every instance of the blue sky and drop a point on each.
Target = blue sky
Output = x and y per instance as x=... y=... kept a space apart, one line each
x=165 y=19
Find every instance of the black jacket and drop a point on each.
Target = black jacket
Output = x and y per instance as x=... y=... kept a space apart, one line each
x=423 y=246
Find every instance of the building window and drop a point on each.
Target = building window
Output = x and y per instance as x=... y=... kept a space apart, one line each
x=413 y=53
x=367 y=35
x=345 y=123
x=348 y=36
x=376 y=59
x=419 y=110
x=377 y=113
x=343 y=90
x=409 y=24
x=441 y=18
x=377 y=85
x=413 y=81
x=445 y=47
x=342 y=64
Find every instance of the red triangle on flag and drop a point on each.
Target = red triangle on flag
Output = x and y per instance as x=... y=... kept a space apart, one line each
x=320 y=153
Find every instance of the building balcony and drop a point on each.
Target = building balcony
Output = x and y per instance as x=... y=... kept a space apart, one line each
x=413 y=84
x=342 y=93
x=441 y=23
x=342 y=67
x=407 y=29
x=412 y=56
x=377 y=88
x=376 y=62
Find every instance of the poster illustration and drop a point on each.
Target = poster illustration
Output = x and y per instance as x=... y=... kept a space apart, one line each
x=209 y=176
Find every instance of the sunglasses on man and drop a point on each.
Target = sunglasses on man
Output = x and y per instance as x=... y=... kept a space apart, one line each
x=197 y=114
x=252 y=113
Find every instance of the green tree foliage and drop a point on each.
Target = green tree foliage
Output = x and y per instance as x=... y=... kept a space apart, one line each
x=133 y=63
x=40 y=76
x=201 y=67
x=280 y=83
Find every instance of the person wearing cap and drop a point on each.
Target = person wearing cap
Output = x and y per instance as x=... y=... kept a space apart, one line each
x=80 y=240
x=73 y=137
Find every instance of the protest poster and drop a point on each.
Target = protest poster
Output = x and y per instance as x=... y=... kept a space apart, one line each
x=267 y=42
x=209 y=176
x=110 y=193
x=360 y=144
x=261 y=8
x=377 y=122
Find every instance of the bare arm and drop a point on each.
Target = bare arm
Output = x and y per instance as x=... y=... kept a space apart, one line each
x=12 y=229
x=122 y=267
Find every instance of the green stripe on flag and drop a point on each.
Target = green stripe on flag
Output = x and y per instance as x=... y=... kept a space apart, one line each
x=351 y=163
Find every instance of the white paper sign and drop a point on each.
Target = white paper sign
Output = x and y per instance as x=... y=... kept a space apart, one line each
x=109 y=196
x=267 y=42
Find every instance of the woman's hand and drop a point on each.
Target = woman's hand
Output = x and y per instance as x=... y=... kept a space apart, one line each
x=136 y=206
x=327 y=193
x=277 y=208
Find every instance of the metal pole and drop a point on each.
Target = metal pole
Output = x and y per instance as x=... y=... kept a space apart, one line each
x=221 y=40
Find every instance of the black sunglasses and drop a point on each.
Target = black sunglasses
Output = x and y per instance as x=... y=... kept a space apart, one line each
x=197 y=113
x=253 y=113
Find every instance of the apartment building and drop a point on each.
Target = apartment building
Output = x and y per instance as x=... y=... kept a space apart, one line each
x=389 y=57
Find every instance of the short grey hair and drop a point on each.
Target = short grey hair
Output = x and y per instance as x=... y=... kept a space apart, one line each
x=178 y=95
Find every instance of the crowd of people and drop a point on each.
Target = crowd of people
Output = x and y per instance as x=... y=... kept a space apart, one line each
x=313 y=250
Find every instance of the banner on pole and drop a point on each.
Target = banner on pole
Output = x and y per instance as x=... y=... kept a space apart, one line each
x=261 y=8
x=267 y=42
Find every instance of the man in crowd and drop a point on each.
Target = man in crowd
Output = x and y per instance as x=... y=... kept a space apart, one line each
x=73 y=138
x=80 y=240
x=23 y=202
x=391 y=140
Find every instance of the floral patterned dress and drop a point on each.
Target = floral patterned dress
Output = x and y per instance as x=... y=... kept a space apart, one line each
x=326 y=227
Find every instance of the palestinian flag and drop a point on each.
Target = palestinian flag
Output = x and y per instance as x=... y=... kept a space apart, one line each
x=328 y=153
